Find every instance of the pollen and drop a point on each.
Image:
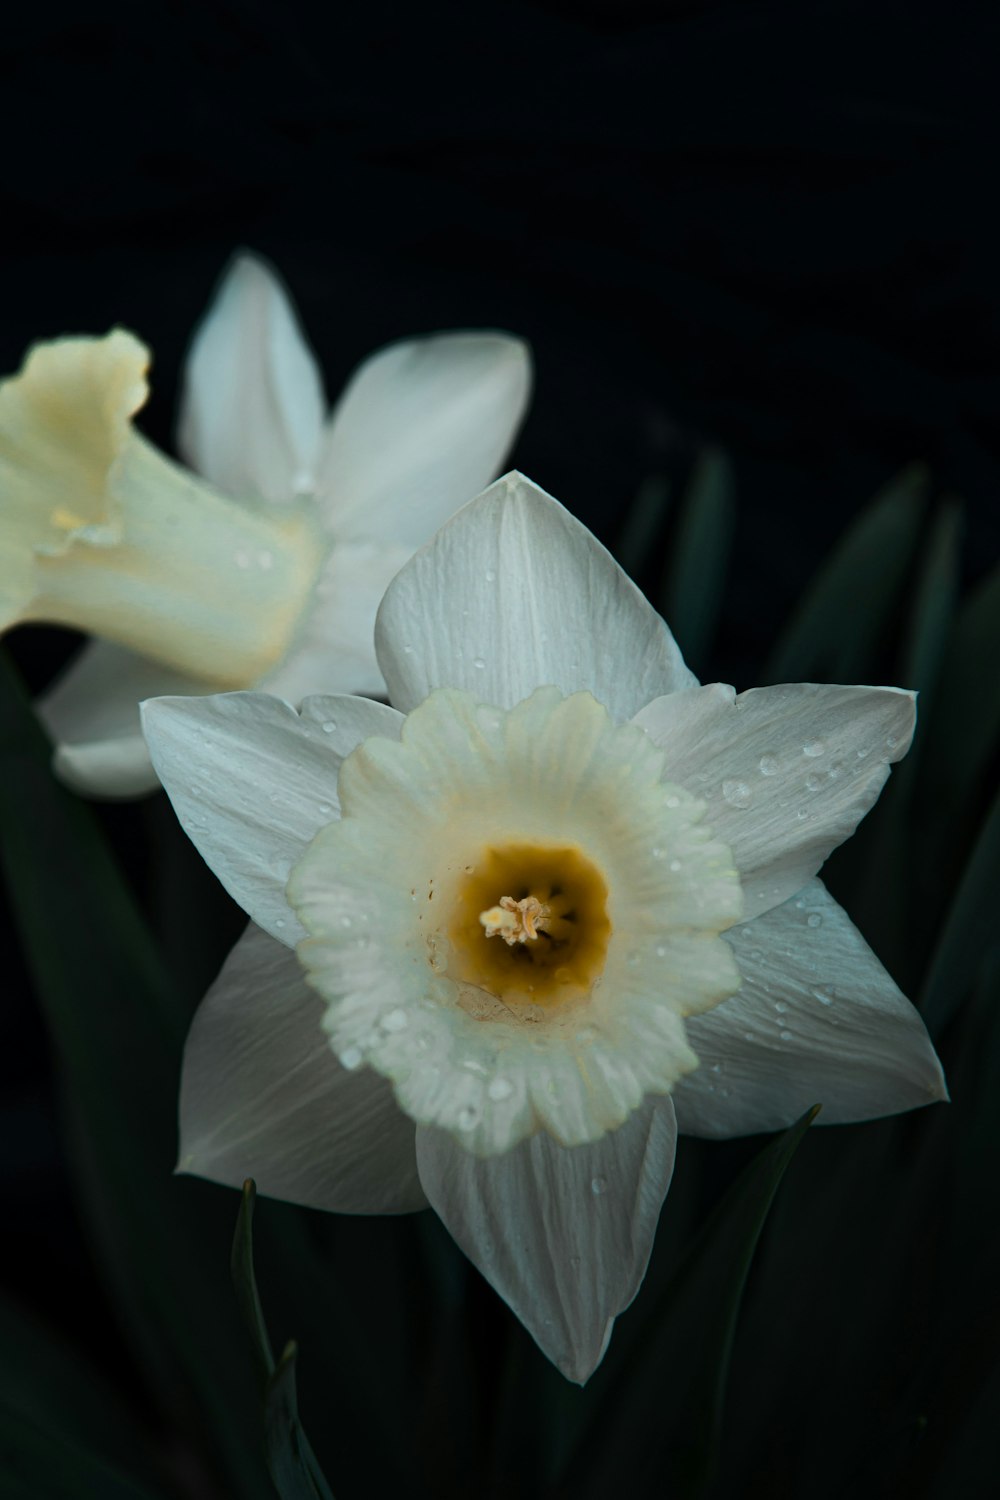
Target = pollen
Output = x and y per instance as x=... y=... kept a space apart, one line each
x=548 y=903
x=516 y=921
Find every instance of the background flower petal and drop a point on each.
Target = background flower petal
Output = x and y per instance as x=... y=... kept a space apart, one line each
x=788 y=772
x=512 y=594
x=817 y=1021
x=334 y=644
x=263 y=1096
x=421 y=427
x=252 y=782
x=252 y=406
x=92 y=715
x=564 y=1236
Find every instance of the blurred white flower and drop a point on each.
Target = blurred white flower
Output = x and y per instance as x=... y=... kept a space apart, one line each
x=557 y=903
x=271 y=573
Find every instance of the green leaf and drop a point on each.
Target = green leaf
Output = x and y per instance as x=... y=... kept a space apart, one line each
x=844 y=613
x=679 y=1363
x=118 y=1037
x=969 y=932
x=52 y=1385
x=643 y=522
x=37 y=1461
x=290 y=1459
x=695 y=574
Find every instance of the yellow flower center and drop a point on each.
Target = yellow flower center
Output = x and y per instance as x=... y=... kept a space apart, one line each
x=548 y=905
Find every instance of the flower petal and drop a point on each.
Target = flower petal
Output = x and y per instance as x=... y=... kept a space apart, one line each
x=263 y=1096
x=563 y=1235
x=334 y=648
x=513 y=593
x=92 y=715
x=252 y=407
x=817 y=1021
x=787 y=772
x=421 y=427
x=252 y=782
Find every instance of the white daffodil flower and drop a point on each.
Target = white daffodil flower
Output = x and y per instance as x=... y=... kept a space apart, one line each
x=512 y=933
x=270 y=574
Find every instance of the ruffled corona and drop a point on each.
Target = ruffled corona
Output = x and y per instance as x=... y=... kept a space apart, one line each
x=513 y=917
x=101 y=532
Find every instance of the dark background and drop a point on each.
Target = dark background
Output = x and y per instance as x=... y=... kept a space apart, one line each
x=764 y=227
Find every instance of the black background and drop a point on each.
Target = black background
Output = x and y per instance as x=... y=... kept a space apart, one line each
x=769 y=227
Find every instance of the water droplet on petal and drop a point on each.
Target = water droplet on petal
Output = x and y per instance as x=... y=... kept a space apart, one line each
x=673 y=802
x=479 y=664
x=500 y=1088
x=891 y=741
x=329 y=725
x=491 y=576
x=351 y=1058
x=814 y=782
x=675 y=865
x=737 y=793
x=769 y=765
x=467 y=1118
x=814 y=919
x=396 y=1020
x=813 y=748
x=598 y=1185
x=786 y=1036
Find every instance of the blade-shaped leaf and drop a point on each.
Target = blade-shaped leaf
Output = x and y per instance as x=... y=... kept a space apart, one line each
x=290 y=1459
x=118 y=1038
x=695 y=574
x=845 y=610
x=642 y=524
x=658 y=1419
x=969 y=932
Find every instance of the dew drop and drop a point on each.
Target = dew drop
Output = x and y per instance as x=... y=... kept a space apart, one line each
x=325 y=808
x=346 y=922
x=673 y=802
x=814 y=919
x=500 y=1088
x=737 y=793
x=814 y=782
x=769 y=765
x=329 y=725
x=396 y=1020
x=407 y=650
x=780 y=1006
x=479 y=664
x=279 y=921
x=786 y=1036
x=598 y=1185
x=891 y=741
x=491 y=576
x=467 y=1118
x=865 y=750
x=675 y=865
x=351 y=1058
x=812 y=748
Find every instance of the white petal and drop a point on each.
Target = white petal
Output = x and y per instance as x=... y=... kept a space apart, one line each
x=512 y=594
x=263 y=1096
x=92 y=715
x=334 y=649
x=252 y=782
x=421 y=427
x=788 y=772
x=564 y=1235
x=817 y=1021
x=253 y=404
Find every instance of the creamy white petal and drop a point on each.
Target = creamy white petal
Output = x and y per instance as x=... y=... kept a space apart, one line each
x=334 y=648
x=252 y=782
x=564 y=1235
x=513 y=593
x=787 y=772
x=253 y=405
x=263 y=1096
x=817 y=1021
x=422 y=426
x=92 y=715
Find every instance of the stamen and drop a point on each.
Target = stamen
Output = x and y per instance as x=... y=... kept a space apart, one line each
x=516 y=921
